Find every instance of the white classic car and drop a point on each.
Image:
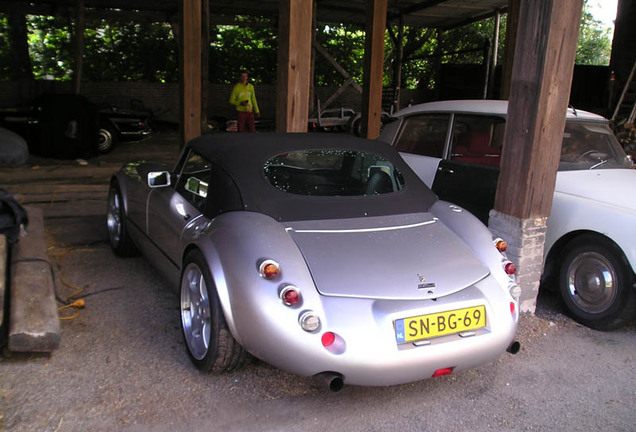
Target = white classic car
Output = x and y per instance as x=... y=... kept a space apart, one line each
x=590 y=249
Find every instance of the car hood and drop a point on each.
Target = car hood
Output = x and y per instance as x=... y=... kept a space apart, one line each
x=405 y=257
x=609 y=186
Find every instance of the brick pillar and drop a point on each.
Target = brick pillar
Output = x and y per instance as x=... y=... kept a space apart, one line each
x=526 y=238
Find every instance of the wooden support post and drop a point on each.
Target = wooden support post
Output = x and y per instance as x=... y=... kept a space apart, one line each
x=193 y=25
x=78 y=43
x=373 y=68
x=541 y=80
x=539 y=94
x=312 y=61
x=294 y=65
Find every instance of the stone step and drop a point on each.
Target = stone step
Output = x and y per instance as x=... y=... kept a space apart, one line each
x=4 y=254
x=34 y=325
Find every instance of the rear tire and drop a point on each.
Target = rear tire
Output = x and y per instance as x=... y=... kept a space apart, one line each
x=596 y=283
x=210 y=344
x=120 y=241
x=107 y=139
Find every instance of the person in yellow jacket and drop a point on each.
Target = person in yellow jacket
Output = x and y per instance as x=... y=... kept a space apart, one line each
x=243 y=97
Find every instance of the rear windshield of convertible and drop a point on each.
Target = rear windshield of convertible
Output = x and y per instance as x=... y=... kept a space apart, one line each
x=330 y=172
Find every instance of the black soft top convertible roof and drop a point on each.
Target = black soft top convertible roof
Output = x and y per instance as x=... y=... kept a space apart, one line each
x=243 y=157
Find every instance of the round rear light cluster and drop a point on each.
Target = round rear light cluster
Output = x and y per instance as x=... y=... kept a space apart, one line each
x=510 y=268
x=515 y=291
x=309 y=321
x=269 y=269
x=289 y=295
x=500 y=244
x=328 y=338
x=333 y=342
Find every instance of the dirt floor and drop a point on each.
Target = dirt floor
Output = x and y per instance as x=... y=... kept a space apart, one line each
x=122 y=365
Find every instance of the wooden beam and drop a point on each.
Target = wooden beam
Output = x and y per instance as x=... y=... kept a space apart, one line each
x=512 y=24
x=342 y=71
x=78 y=45
x=541 y=81
x=493 y=57
x=373 y=68
x=191 y=59
x=19 y=68
x=294 y=65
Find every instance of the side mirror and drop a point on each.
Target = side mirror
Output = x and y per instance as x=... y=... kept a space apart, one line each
x=158 y=179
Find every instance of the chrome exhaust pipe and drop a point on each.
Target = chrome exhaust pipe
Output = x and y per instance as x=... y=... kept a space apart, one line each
x=331 y=380
x=514 y=347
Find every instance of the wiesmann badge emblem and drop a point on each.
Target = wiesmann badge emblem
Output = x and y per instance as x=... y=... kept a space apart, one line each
x=423 y=285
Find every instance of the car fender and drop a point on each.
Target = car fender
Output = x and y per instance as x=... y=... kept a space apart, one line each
x=476 y=236
x=133 y=184
x=235 y=244
x=571 y=214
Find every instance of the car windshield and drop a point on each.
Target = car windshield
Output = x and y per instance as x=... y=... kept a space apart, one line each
x=330 y=172
x=590 y=145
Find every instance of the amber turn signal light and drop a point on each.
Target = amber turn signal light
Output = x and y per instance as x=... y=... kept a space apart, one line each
x=500 y=244
x=269 y=269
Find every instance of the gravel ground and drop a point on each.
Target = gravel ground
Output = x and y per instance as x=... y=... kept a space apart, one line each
x=122 y=366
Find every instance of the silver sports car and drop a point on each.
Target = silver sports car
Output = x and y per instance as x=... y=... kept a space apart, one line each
x=323 y=256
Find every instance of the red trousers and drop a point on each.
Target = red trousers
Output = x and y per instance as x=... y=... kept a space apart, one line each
x=245 y=121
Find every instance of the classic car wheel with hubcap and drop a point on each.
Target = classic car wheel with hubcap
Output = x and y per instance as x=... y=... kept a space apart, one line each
x=595 y=282
x=210 y=344
x=107 y=139
x=120 y=241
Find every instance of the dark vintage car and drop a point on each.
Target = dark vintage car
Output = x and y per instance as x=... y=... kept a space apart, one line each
x=54 y=125
x=324 y=257
x=590 y=246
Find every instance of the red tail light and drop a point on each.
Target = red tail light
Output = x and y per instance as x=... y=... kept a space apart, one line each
x=442 y=372
x=510 y=268
x=290 y=295
x=327 y=339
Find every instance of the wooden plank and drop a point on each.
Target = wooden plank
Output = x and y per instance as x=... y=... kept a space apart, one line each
x=373 y=68
x=541 y=80
x=294 y=65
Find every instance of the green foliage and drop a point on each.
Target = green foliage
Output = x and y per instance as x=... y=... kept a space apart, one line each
x=345 y=43
x=130 y=52
x=595 y=45
x=50 y=47
x=5 y=53
x=134 y=51
x=426 y=48
x=113 y=51
x=252 y=47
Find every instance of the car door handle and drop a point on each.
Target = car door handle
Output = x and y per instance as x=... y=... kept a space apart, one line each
x=447 y=170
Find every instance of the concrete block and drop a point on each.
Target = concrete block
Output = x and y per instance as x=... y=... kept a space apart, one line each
x=34 y=325
x=526 y=238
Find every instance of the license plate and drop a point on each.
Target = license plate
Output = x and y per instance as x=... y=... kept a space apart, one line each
x=422 y=327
